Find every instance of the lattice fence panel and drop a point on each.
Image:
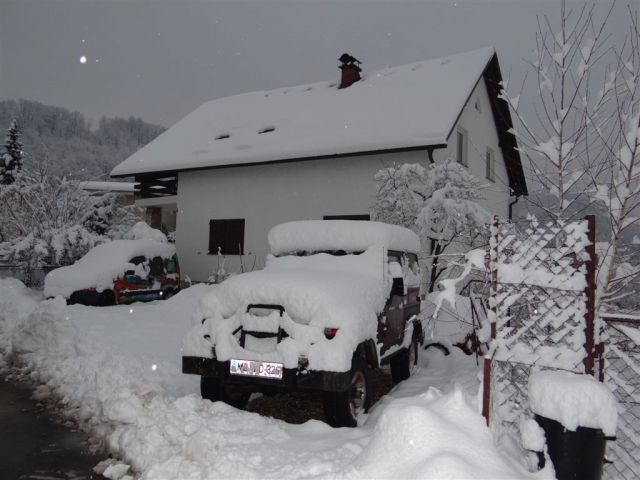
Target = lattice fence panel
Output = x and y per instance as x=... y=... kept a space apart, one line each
x=622 y=375
x=538 y=298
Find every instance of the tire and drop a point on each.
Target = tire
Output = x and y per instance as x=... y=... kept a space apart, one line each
x=403 y=363
x=167 y=294
x=106 y=298
x=341 y=409
x=212 y=389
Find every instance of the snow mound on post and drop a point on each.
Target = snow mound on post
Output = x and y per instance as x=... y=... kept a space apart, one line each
x=432 y=436
x=101 y=265
x=347 y=235
x=573 y=400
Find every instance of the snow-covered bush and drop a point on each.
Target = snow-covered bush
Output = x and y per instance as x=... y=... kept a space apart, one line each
x=49 y=220
x=439 y=202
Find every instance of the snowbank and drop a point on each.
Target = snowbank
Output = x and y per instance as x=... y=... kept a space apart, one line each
x=318 y=291
x=432 y=436
x=348 y=235
x=573 y=400
x=101 y=265
x=117 y=370
x=16 y=304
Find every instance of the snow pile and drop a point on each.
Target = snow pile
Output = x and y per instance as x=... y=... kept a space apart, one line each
x=347 y=235
x=318 y=291
x=573 y=400
x=16 y=304
x=532 y=435
x=432 y=436
x=117 y=370
x=101 y=265
x=142 y=231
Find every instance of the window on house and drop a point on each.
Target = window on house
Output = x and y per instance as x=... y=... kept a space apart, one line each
x=227 y=236
x=490 y=165
x=347 y=217
x=461 y=147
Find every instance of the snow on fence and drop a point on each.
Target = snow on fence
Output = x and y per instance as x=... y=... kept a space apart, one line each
x=541 y=310
x=620 y=370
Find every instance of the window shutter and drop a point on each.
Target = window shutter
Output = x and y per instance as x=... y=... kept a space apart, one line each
x=234 y=237
x=216 y=236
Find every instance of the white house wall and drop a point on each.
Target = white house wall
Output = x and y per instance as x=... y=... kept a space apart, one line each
x=266 y=195
x=482 y=133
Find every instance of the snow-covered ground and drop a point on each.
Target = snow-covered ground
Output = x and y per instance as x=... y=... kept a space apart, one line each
x=117 y=371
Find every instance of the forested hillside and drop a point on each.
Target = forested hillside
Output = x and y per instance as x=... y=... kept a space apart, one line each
x=68 y=141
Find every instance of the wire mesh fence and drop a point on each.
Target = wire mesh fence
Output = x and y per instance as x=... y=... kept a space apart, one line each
x=539 y=301
x=622 y=375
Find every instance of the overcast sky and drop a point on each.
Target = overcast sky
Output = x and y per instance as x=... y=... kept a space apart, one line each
x=161 y=59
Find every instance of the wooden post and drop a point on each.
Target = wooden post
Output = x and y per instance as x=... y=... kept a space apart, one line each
x=493 y=265
x=590 y=293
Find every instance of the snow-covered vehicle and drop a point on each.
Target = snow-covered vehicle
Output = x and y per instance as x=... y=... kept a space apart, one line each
x=121 y=271
x=336 y=299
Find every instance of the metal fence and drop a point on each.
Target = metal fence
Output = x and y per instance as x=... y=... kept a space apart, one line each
x=621 y=372
x=541 y=307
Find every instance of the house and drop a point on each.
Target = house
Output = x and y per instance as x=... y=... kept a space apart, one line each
x=239 y=165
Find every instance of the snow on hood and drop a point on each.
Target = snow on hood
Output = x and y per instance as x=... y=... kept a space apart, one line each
x=101 y=265
x=347 y=235
x=346 y=292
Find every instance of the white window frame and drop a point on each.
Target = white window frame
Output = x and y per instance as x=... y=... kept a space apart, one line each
x=490 y=165
x=462 y=151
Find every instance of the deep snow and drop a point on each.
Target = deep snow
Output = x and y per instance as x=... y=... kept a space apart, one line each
x=117 y=369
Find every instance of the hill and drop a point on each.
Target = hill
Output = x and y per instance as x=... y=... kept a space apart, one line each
x=67 y=141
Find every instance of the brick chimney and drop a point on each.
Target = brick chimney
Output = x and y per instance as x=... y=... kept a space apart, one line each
x=350 y=70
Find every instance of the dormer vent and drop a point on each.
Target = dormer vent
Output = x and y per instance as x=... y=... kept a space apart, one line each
x=350 y=70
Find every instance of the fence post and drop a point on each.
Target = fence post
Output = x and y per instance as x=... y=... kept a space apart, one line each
x=493 y=261
x=590 y=292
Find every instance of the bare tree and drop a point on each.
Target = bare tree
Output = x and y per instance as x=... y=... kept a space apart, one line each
x=584 y=146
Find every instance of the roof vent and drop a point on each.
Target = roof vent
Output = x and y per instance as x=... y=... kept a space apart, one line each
x=350 y=71
x=222 y=136
x=266 y=130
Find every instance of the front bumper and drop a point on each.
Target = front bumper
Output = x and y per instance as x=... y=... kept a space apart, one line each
x=292 y=378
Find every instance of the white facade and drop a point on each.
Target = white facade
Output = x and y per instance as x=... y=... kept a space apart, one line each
x=269 y=194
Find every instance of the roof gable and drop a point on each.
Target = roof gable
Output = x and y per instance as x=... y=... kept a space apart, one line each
x=410 y=106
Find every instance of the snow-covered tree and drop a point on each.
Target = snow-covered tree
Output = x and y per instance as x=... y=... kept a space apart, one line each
x=582 y=140
x=11 y=155
x=439 y=202
x=49 y=220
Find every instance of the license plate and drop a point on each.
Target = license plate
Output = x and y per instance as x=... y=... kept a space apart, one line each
x=254 y=368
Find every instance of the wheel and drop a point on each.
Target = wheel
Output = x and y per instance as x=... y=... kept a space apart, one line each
x=167 y=294
x=106 y=298
x=212 y=389
x=341 y=409
x=403 y=363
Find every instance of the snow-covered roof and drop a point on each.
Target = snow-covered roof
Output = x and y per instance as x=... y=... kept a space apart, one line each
x=101 y=265
x=347 y=235
x=409 y=106
x=120 y=187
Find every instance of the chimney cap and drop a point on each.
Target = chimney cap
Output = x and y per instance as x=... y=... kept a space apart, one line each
x=345 y=58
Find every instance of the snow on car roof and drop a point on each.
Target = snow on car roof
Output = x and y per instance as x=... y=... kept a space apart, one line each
x=347 y=235
x=413 y=105
x=101 y=265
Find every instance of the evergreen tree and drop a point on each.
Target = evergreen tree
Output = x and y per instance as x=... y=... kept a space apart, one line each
x=11 y=159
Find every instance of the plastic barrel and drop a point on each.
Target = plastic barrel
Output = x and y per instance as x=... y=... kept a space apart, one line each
x=575 y=455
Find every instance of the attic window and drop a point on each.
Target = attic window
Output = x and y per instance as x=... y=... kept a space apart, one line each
x=222 y=136
x=266 y=130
